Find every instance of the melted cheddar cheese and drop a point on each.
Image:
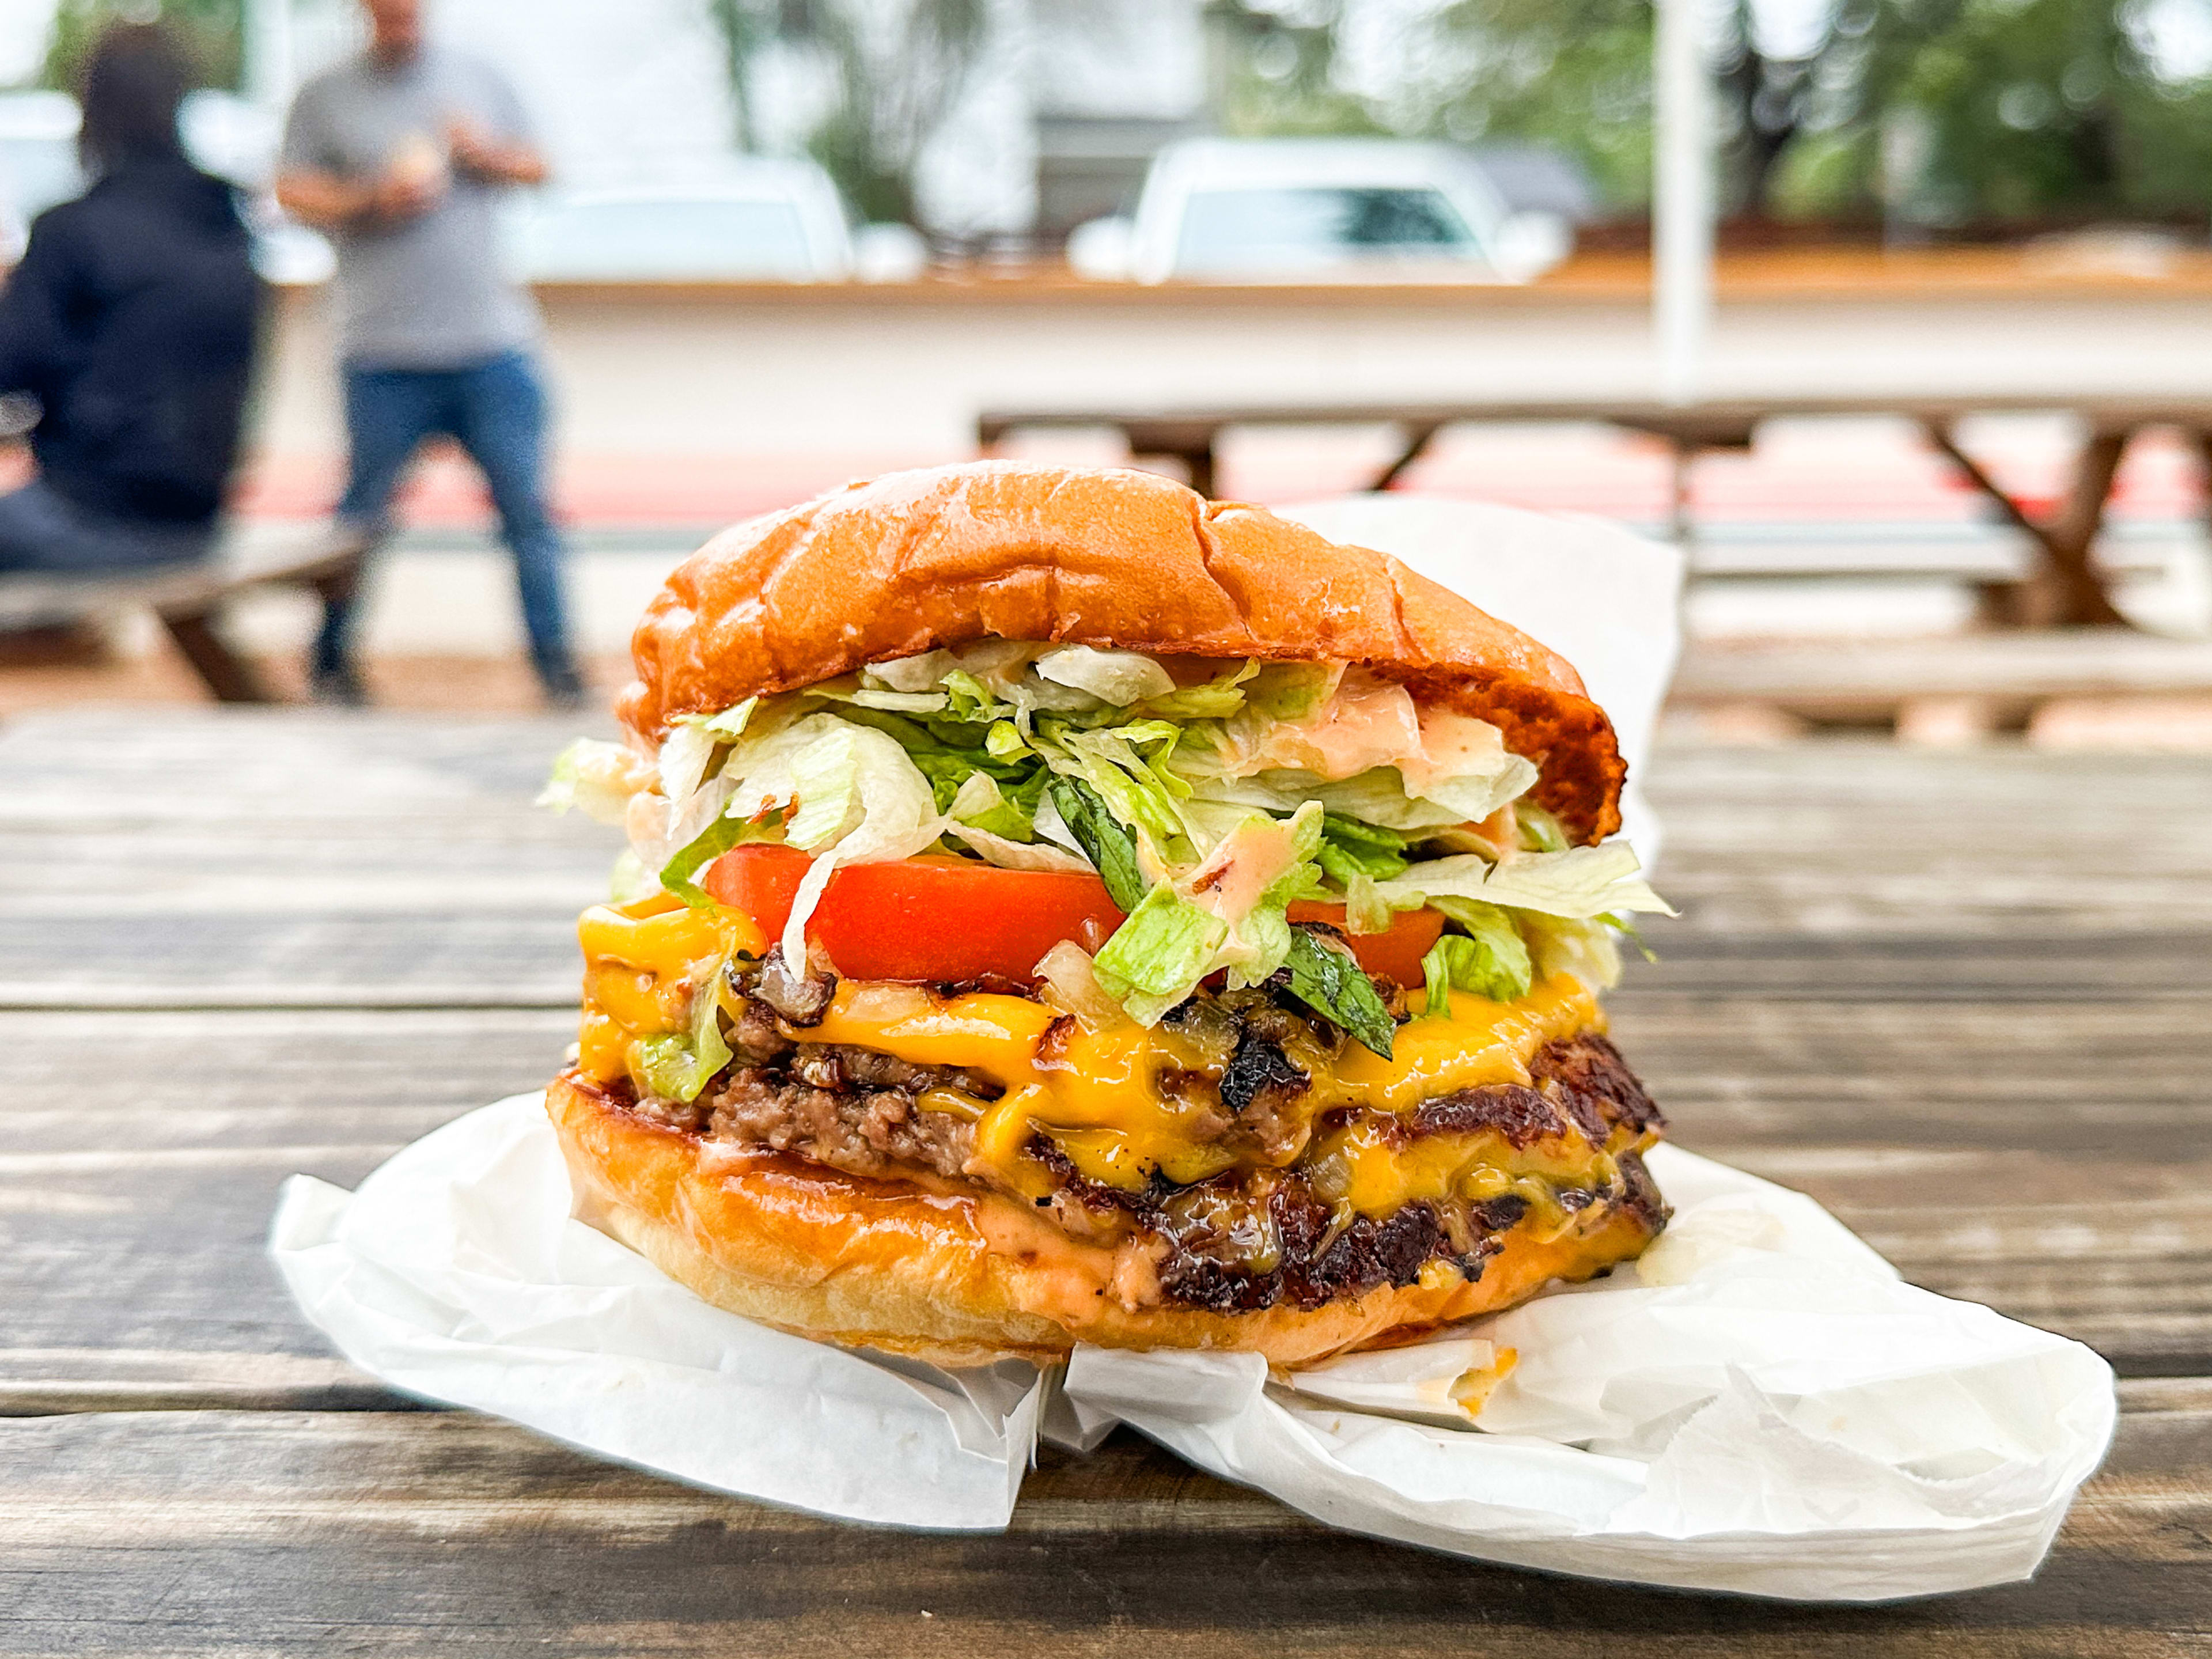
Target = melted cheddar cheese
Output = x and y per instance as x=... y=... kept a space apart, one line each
x=644 y=963
x=1102 y=1097
x=1098 y=1094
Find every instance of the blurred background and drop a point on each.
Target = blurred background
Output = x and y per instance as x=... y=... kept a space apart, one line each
x=787 y=242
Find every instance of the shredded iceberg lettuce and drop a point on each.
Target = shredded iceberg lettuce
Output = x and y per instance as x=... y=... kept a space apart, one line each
x=598 y=779
x=1579 y=883
x=1208 y=807
x=1490 y=958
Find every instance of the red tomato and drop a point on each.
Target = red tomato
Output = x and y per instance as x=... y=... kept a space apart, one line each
x=922 y=918
x=1395 y=953
x=950 y=919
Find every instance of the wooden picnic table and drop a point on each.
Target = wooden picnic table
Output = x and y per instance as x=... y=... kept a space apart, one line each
x=1965 y=998
x=2066 y=589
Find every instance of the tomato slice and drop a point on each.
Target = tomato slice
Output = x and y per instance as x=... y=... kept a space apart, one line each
x=937 y=920
x=921 y=918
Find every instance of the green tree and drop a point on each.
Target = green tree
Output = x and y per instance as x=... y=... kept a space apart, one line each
x=1956 y=112
x=1274 y=70
x=897 y=70
x=1575 y=74
x=214 y=30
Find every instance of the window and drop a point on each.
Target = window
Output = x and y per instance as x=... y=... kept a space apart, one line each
x=1305 y=226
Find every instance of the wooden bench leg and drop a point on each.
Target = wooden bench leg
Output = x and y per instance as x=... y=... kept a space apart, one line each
x=1199 y=463
x=2066 y=591
x=1416 y=444
x=2074 y=595
x=230 y=677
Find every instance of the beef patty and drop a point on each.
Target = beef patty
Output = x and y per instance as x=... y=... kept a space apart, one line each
x=1248 y=1239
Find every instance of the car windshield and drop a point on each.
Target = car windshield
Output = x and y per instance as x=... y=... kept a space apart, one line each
x=700 y=240
x=1317 y=225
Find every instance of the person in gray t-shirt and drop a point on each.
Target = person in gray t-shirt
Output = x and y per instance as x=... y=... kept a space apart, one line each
x=399 y=156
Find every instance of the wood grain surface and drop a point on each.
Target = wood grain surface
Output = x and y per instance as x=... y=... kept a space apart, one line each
x=1964 y=1000
x=228 y=1533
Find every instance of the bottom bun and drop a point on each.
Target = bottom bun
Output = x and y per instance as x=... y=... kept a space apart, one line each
x=960 y=1277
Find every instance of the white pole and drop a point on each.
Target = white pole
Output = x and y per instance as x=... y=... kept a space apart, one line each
x=269 y=53
x=1682 y=201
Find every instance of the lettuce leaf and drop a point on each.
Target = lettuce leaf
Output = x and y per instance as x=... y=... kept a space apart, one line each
x=679 y=1066
x=1586 y=950
x=1491 y=959
x=597 y=778
x=1580 y=883
x=1331 y=982
x=1539 y=830
x=1376 y=797
x=686 y=753
x=1292 y=690
x=1131 y=790
x=1159 y=954
x=851 y=795
x=1218 y=699
x=1349 y=848
x=716 y=839
x=1118 y=679
x=1249 y=881
x=1110 y=849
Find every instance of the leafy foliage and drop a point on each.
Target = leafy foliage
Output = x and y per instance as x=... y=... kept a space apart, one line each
x=1936 y=113
x=213 y=30
x=1958 y=111
x=894 y=72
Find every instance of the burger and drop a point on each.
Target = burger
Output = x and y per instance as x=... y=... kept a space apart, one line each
x=1061 y=909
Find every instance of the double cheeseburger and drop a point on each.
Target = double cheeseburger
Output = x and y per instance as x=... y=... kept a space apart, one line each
x=1061 y=909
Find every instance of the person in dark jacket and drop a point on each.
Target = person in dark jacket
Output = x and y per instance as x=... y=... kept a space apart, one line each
x=132 y=320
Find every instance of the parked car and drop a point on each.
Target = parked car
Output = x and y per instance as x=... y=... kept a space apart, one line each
x=753 y=219
x=1321 y=210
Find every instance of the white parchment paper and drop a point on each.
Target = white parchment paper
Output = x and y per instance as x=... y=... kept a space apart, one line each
x=455 y=1273
x=1757 y=1406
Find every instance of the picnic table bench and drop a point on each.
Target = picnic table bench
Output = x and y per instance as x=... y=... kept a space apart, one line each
x=2067 y=588
x=189 y=600
x=1965 y=999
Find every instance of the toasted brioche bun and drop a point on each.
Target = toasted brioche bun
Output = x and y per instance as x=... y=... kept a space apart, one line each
x=959 y=1277
x=917 y=561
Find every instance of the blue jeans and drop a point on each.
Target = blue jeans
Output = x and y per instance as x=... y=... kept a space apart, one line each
x=495 y=410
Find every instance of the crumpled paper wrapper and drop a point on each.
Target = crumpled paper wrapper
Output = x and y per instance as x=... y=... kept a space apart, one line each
x=1606 y=601
x=1757 y=1406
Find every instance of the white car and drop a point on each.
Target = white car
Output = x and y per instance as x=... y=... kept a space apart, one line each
x=752 y=218
x=1320 y=209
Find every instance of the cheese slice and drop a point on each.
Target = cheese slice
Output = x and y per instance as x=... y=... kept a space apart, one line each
x=1105 y=1097
x=1098 y=1094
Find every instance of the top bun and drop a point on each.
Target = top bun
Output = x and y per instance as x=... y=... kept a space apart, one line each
x=916 y=560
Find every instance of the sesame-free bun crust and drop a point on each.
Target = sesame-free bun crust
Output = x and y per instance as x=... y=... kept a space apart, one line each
x=957 y=1277
x=916 y=560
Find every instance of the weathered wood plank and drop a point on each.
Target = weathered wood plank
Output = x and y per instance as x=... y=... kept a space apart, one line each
x=140 y=1165
x=272 y=1534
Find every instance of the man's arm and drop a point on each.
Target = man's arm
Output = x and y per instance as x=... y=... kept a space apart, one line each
x=494 y=161
x=326 y=202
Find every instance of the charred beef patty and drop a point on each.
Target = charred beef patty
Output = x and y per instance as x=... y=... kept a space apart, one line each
x=1246 y=1240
